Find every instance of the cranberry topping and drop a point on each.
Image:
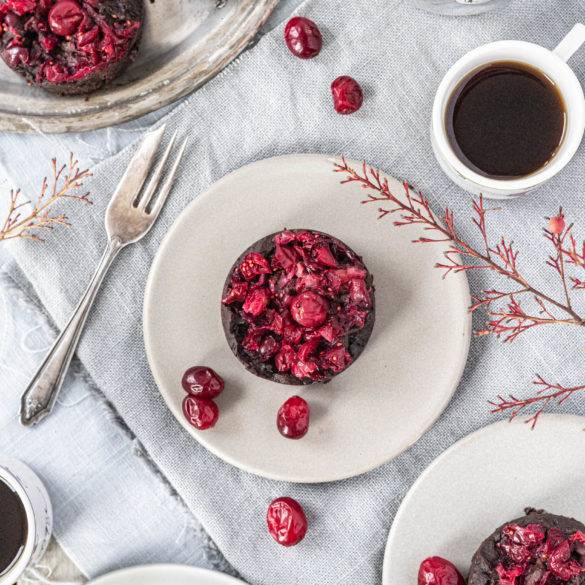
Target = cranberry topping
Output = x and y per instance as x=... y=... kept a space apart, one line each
x=439 y=571
x=534 y=555
x=65 y=17
x=309 y=309
x=62 y=41
x=348 y=96
x=286 y=521
x=295 y=307
x=293 y=418
x=200 y=412
x=202 y=382
x=303 y=37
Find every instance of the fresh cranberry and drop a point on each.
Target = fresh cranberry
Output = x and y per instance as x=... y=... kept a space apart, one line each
x=202 y=382
x=293 y=418
x=348 y=96
x=439 y=571
x=309 y=309
x=65 y=17
x=200 y=412
x=286 y=521
x=303 y=37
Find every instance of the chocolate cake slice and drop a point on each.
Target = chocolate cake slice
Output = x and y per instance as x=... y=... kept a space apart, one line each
x=70 y=47
x=298 y=307
x=537 y=549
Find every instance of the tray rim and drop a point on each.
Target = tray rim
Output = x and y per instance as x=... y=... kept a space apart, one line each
x=160 y=95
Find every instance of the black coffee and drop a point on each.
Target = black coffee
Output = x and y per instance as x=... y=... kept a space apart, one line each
x=13 y=527
x=506 y=120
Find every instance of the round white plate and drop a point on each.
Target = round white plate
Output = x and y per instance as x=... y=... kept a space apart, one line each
x=184 y=44
x=480 y=483
x=159 y=574
x=366 y=415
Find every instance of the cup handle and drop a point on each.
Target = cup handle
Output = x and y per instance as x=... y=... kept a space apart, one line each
x=571 y=43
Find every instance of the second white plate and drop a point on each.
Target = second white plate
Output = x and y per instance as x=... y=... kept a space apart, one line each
x=482 y=482
x=159 y=574
x=366 y=415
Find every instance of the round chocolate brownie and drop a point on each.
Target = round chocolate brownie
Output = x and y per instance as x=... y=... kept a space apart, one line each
x=70 y=46
x=537 y=549
x=298 y=307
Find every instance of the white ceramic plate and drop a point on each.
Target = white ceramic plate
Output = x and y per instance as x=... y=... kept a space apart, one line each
x=184 y=43
x=482 y=482
x=160 y=574
x=366 y=415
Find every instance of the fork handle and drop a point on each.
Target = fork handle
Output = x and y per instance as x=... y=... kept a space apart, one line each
x=39 y=397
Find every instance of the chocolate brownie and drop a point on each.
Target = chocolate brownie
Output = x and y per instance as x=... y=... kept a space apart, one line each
x=70 y=47
x=298 y=307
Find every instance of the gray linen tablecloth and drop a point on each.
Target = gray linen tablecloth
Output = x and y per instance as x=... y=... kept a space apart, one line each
x=265 y=104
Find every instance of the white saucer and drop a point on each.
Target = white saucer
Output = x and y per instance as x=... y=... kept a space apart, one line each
x=480 y=483
x=159 y=574
x=368 y=414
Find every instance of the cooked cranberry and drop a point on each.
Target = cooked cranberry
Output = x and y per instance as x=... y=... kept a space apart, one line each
x=256 y=301
x=309 y=309
x=439 y=571
x=348 y=96
x=253 y=265
x=200 y=412
x=286 y=521
x=65 y=17
x=202 y=382
x=303 y=37
x=16 y=55
x=267 y=348
x=21 y=7
x=293 y=418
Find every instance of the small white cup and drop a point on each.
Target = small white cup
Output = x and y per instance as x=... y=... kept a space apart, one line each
x=29 y=488
x=551 y=63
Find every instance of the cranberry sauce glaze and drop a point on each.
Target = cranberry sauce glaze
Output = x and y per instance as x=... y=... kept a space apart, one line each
x=537 y=549
x=70 y=46
x=298 y=307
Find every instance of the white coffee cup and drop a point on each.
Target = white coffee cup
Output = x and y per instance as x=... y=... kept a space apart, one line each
x=37 y=506
x=554 y=65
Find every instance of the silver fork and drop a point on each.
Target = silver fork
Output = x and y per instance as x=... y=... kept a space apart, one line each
x=129 y=216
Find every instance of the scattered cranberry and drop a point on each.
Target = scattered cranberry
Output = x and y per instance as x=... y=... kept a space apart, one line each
x=439 y=571
x=202 y=382
x=293 y=418
x=309 y=309
x=556 y=224
x=286 y=521
x=348 y=96
x=303 y=37
x=200 y=412
x=65 y=17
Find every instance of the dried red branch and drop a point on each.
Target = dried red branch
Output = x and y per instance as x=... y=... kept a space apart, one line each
x=66 y=180
x=413 y=208
x=546 y=394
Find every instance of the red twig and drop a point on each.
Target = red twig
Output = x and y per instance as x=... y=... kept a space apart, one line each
x=413 y=208
x=546 y=394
